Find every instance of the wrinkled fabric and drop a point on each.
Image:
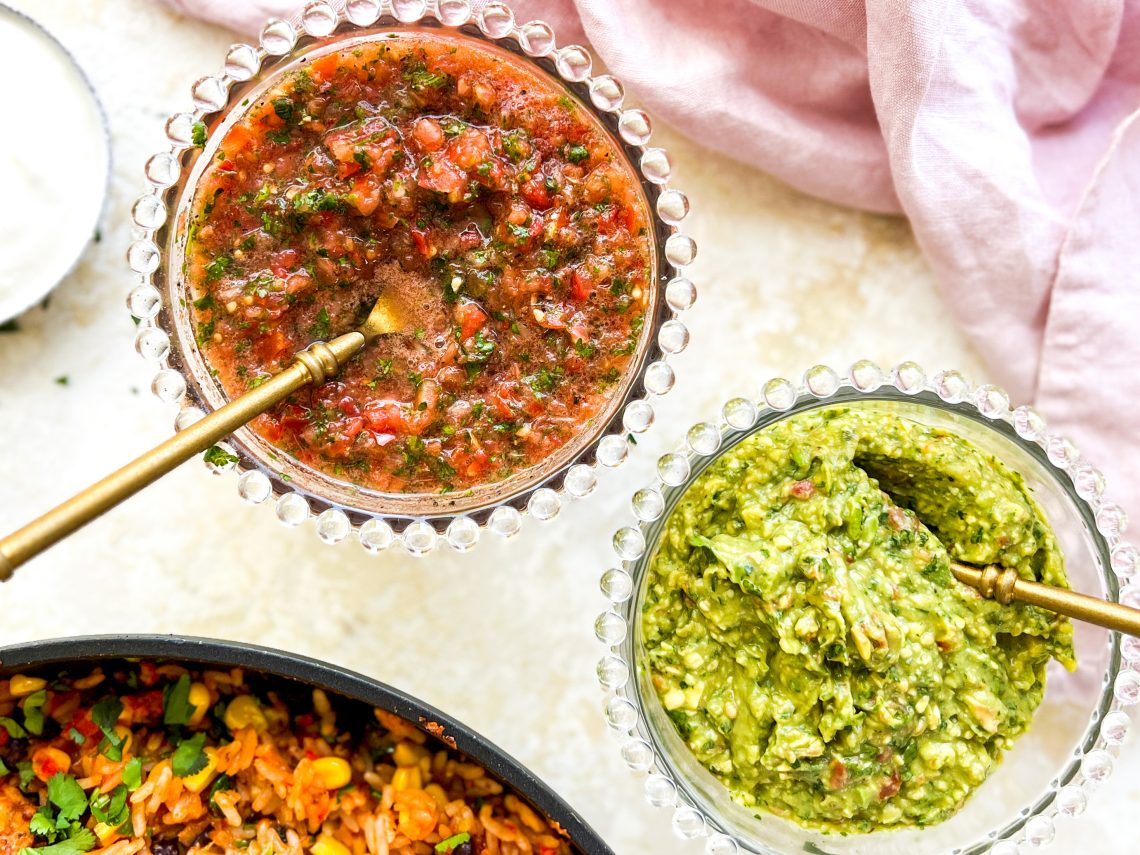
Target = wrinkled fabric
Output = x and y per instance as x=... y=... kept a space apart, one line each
x=1005 y=131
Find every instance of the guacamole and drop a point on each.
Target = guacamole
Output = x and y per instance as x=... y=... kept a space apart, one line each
x=804 y=633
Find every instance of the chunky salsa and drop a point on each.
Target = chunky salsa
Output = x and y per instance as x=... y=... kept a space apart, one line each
x=806 y=637
x=507 y=221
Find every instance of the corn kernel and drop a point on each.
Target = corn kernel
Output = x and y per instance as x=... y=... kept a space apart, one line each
x=437 y=793
x=20 y=686
x=200 y=780
x=199 y=699
x=107 y=834
x=406 y=754
x=124 y=734
x=245 y=711
x=326 y=845
x=407 y=778
x=332 y=773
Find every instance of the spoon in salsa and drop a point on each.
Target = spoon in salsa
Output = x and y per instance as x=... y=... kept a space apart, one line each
x=314 y=365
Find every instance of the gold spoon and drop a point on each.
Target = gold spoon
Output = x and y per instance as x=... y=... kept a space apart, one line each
x=1004 y=585
x=315 y=364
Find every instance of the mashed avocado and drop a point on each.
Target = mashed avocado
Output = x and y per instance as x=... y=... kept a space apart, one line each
x=806 y=637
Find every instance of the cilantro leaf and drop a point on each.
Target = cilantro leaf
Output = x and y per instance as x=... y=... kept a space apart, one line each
x=14 y=729
x=26 y=774
x=452 y=842
x=132 y=774
x=198 y=134
x=42 y=823
x=65 y=793
x=33 y=712
x=111 y=808
x=321 y=326
x=189 y=758
x=4 y=770
x=577 y=153
x=283 y=107
x=176 y=707
x=105 y=714
x=223 y=782
x=80 y=840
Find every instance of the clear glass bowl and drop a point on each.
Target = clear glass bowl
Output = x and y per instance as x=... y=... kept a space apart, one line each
x=1052 y=769
x=299 y=493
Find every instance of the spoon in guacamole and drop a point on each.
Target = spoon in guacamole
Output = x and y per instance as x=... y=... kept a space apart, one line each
x=805 y=634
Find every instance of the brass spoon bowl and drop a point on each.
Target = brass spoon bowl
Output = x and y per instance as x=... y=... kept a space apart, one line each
x=315 y=364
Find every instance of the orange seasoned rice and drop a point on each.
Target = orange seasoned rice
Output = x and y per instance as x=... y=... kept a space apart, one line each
x=162 y=760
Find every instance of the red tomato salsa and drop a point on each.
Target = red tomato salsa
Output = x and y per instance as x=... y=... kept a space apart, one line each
x=507 y=220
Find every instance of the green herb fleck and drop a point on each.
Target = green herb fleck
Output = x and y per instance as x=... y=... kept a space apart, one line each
x=189 y=758
x=450 y=843
x=198 y=134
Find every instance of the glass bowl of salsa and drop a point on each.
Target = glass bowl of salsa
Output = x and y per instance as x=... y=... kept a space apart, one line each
x=479 y=174
x=848 y=694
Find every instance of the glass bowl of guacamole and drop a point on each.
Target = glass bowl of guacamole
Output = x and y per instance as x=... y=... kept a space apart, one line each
x=790 y=661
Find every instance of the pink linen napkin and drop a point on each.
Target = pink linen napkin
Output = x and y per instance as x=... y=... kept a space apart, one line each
x=1006 y=131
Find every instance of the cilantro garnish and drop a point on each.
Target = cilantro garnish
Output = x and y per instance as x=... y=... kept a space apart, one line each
x=76 y=737
x=318 y=199
x=111 y=808
x=450 y=843
x=550 y=258
x=65 y=793
x=80 y=840
x=176 y=707
x=584 y=350
x=420 y=77
x=198 y=134
x=321 y=326
x=189 y=758
x=283 y=107
x=218 y=267
x=215 y=456
x=362 y=158
x=4 y=770
x=105 y=714
x=132 y=774
x=33 y=712
x=577 y=153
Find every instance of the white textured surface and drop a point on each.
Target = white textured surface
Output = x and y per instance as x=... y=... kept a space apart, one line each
x=501 y=638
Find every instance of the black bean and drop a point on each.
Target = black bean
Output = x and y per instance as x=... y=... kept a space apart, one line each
x=166 y=847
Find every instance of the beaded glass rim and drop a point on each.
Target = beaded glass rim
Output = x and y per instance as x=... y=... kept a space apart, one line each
x=569 y=66
x=1092 y=763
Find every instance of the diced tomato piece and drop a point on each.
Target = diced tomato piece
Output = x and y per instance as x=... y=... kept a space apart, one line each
x=535 y=192
x=443 y=176
x=325 y=67
x=148 y=673
x=419 y=238
x=345 y=435
x=271 y=345
x=581 y=283
x=471 y=319
x=365 y=195
x=470 y=149
x=506 y=400
x=385 y=417
x=891 y=787
x=837 y=775
x=144 y=706
x=470 y=464
x=237 y=140
x=284 y=261
x=802 y=489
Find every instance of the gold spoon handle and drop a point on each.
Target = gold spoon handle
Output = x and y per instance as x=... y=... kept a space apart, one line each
x=1004 y=585
x=314 y=365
